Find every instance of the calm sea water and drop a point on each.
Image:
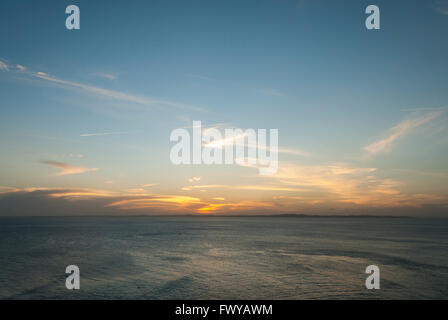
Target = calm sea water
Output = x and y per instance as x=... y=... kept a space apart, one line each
x=223 y=258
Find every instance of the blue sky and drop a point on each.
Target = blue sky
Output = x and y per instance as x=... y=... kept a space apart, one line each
x=348 y=99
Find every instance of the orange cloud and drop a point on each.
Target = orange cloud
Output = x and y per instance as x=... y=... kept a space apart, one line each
x=67 y=168
x=339 y=183
x=236 y=206
x=240 y=187
x=382 y=198
x=168 y=202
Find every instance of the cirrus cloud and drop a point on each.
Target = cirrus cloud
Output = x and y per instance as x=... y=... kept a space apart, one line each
x=402 y=129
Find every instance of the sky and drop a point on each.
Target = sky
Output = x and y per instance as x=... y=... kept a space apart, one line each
x=86 y=115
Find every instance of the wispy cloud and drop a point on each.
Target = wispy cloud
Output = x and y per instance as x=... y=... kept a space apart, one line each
x=223 y=125
x=337 y=184
x=67 y=168
x=105 y=75
x=150 y=185
x=68 y=155
x=112 y=94
x=236 y=140
x=3 y=66
x=101 y=134
x=73 y=155
x=242 y=187
x=404 y=128
x=297 y=152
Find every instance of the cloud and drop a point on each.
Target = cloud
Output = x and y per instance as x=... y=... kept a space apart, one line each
x=223 y=125
x=168 y=202
x=3 y=66
x=112 y=94
x=41 y=201
x=336 y=188
x=335 y=183
x=67 y=168
x=73 y=155
x=194 y=179
x=101 y=134
x=150 y=185
x=241 y=206
x=404 y=128
x=4 y=189
x=241 y=187
x=140 y=191
x=54 y=202
x=237 y=141
x=78 y=202
x=105 y=75
x=297 y=152
x=66 y=155
x=20 y=67
x=342 y=187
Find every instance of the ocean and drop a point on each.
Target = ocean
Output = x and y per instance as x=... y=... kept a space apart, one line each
x=223 y=257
